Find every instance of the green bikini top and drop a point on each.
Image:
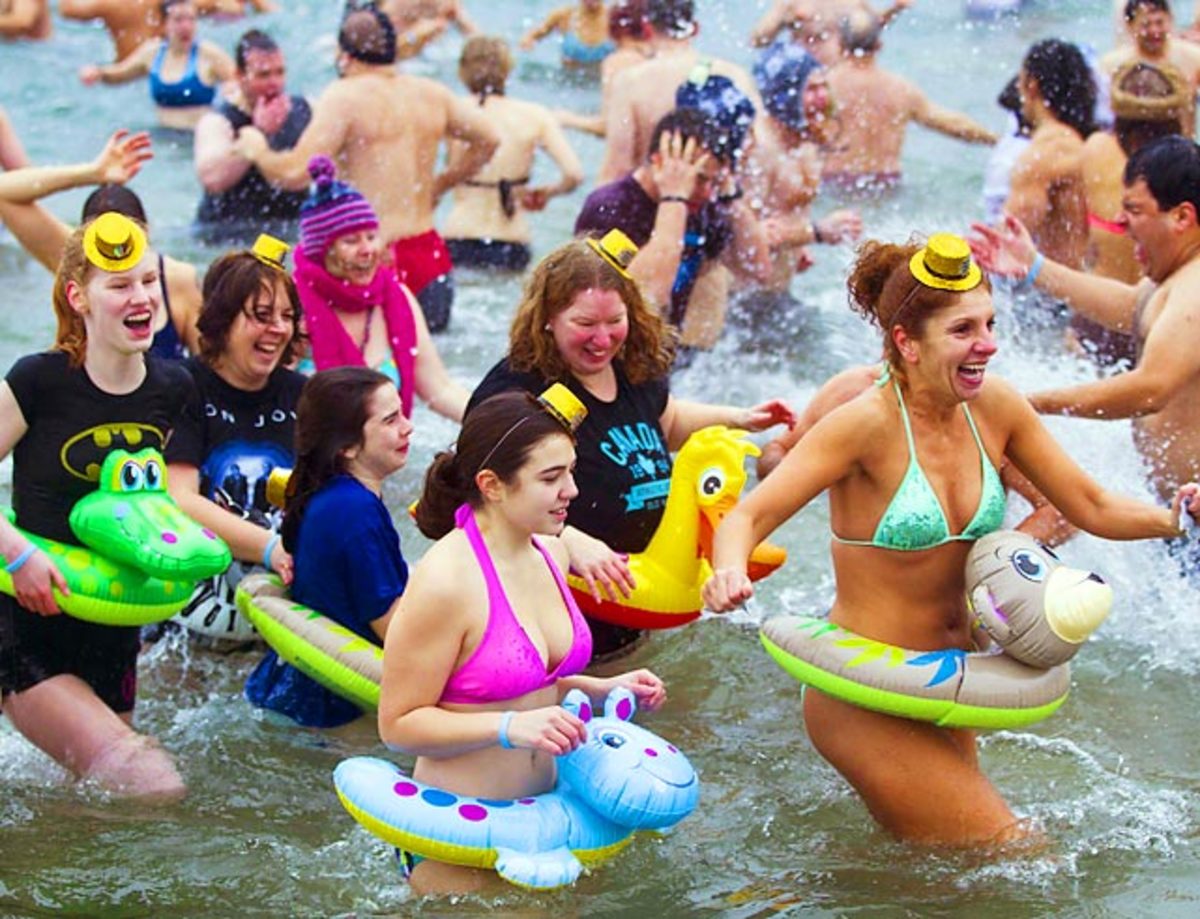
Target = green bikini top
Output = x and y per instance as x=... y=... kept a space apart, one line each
x=914 y=520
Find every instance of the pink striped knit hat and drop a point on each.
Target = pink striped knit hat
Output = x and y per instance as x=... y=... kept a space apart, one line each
x=333 y=209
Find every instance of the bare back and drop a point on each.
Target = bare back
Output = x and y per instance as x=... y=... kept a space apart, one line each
x=477 y=211
x=643 y=94
x=1109 y=253
x=1047 y=193
x=874 y=108
x=393 y=125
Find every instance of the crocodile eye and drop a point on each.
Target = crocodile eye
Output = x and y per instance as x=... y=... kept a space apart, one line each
x=1029 y=565
x=712 y=481
x=154 y=475
x=131 y=477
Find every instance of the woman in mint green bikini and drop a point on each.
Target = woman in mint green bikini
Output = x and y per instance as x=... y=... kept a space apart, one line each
x=910 y=466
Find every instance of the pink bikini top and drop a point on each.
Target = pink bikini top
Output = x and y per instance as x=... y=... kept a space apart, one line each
x=507 y=664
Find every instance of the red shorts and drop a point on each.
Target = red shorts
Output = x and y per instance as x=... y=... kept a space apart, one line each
x=420 y=259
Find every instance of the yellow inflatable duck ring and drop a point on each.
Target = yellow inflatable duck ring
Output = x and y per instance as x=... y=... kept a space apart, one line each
x=706 y=482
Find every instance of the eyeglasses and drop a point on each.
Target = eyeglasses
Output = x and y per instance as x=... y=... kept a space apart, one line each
x=265 y=316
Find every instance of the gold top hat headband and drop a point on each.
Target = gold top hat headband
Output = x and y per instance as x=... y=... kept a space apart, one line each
x=945 y=263
x=617 y=249
x=270 y=251
x=113 y=242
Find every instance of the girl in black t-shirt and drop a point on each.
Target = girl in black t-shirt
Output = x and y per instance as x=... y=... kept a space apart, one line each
x=584 y=322
x=69 y=686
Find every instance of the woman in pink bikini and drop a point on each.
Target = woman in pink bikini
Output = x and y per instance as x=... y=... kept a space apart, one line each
x=486 y=639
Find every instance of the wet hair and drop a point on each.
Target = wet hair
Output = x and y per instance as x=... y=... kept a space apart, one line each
x=1143 y=97
x=229 y=282
x=690 y=123
x=673 y=18
x=552 y=287
x=367 y=35
x=333 y=409
x=116 y=198
x=1132 y=7
x=1010 y=100
x=859 y=32
x=254 y=40
x=884 y=292
x=1065 y=83
x=628 y=19
x=498 y=434
x=1170 y=167
x=70 y=336
x=166 y=5
x=484 y=65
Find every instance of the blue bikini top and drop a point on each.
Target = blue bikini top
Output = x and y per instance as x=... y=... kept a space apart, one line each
x=188 y=90
x=914 y=520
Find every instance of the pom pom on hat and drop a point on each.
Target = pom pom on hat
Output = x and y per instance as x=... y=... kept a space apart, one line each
x=333 y=209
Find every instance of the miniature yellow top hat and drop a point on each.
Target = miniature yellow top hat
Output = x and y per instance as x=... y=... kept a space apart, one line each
x=270 y=251
x=113 y=242
x=946 y=264
x=617 y=249
x=564 y=405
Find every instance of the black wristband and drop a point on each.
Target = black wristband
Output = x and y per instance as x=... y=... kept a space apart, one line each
x=680 y=198
x=732 y=196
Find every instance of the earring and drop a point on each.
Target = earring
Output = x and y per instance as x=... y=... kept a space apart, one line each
x=546 y=327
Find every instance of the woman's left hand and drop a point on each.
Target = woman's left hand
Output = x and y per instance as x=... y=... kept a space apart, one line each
x=766 y=415
x=599 y=566
x=647 y=688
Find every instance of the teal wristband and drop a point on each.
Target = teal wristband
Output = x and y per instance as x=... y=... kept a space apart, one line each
x=504 y=722
x=1034 y=270
x=19 y=562
x=271 y=544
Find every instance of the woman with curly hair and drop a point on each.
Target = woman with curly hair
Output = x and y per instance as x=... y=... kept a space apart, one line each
x=583 y=322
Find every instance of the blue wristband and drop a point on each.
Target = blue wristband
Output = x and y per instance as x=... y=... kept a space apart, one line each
x=1034 y=270
x=271 y=544
x=504 y=722
x=19 y=562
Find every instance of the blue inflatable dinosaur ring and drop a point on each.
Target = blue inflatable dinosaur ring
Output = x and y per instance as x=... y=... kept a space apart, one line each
x=621 y=780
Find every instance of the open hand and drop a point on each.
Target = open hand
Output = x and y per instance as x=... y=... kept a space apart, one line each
x=1006 y=249
x=122 y=157
x=766 y=415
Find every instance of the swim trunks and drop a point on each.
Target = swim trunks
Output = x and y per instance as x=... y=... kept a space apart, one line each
x=423 y=263
x=489 y=253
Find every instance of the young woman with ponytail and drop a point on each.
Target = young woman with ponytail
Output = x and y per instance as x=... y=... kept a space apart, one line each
x=350 y=435
x=487 y=639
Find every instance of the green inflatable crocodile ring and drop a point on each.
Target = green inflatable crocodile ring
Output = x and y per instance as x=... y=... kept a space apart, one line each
x=141 y=555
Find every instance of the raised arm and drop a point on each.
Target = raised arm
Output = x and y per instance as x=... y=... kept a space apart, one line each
x=781 y=15
x=1008 y=251
x=558 y=20
x=118 y=162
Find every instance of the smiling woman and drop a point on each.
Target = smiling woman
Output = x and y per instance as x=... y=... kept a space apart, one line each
x=69 y=685
x=239 y=424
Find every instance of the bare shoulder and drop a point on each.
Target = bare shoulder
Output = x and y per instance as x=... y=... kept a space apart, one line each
x=441 y=579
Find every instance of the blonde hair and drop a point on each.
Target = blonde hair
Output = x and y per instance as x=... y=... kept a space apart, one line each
x=485 y=64
x=569 y=270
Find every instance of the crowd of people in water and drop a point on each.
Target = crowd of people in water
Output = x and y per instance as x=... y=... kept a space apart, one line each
x=311 y=360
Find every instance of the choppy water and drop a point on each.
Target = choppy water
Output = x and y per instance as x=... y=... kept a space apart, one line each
x=1114 y=776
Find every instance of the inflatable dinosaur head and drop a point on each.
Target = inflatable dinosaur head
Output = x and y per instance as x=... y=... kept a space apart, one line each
x=625 y=773
x=130 y=518
x=1035 y=608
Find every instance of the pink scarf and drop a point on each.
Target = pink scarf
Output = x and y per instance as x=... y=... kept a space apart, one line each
x=323 y=296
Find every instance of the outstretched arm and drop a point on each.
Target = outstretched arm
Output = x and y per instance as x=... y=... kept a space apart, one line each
x=20 y=18
x=118 y=162
x=558 y=20
x=129 y=68
x=681 y=418
x=1008 y=250
x=1165 y=367
x=951 y=123
x=781 y=15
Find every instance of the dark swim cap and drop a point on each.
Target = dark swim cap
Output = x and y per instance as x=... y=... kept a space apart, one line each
x=729 y=110
x=367 y=35
x=781 y=72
